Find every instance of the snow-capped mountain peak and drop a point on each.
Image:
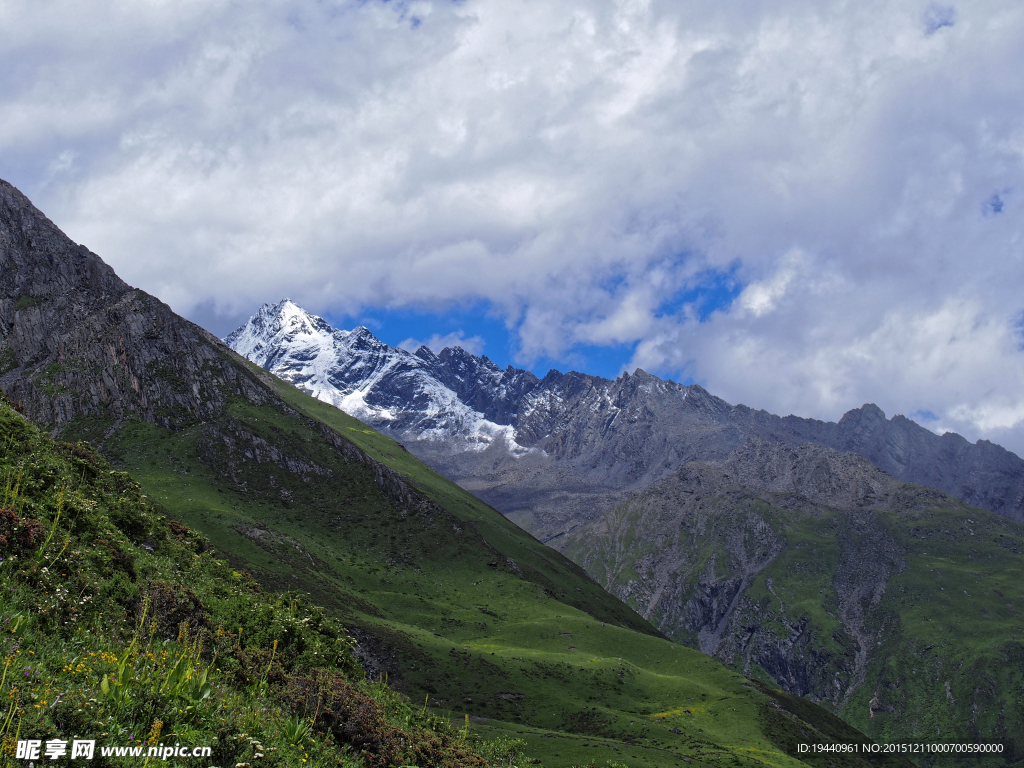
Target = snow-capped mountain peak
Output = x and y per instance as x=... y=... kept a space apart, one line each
x=276 y=326
x=434 y=396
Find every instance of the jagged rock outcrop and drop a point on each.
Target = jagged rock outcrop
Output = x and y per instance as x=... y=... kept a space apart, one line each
x=75 y=340
x=983 y=474
x=453 y=397
x=619 y=437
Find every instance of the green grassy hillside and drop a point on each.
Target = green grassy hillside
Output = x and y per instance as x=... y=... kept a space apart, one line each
x=457 y=607
x=556 y=574
x=121 y=627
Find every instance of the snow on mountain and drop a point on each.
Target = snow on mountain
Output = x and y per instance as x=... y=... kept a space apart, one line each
x=388 y=388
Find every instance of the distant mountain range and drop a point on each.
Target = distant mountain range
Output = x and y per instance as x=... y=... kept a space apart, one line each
x=558 y=452
x=806 y=554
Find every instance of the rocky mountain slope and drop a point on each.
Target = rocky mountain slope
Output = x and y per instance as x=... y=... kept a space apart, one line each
x=896 y=604
x=76 y=341
x=448 y=599
x=555 y=453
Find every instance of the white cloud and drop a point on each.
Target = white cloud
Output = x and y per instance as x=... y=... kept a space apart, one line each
x=762 y=296
x=573 y=165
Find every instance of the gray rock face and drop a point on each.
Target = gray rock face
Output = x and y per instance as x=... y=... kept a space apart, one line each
x=655 y=532
x=821 y=571
x=481 y=384
x=605 y=440
x=75 y=340
x=983 y=474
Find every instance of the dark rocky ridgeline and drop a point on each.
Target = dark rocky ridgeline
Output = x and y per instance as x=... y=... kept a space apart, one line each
x=603 y=441
x=596 y=442
x=81 y=350
x=481 y=384
x=983 y=474
x=77 y=341
x=816 y=570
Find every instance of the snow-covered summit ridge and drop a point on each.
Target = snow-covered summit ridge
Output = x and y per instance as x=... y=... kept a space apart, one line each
x=453 y=395
x=442 y=396
x=281 y=326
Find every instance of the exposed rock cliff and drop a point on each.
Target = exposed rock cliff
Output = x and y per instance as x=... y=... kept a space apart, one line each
x=816 y=569
x=75 y=340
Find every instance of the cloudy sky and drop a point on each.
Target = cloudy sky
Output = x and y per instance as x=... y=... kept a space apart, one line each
x=803 y=206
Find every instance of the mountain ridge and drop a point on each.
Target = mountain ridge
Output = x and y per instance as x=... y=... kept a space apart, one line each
x=583 y=443
x=354 y=371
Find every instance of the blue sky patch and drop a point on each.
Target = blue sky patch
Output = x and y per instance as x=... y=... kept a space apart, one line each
x=500 y=343
x=717 y=290
x=606 y=361
x=938 y=16
x=395 y=326
x=1018 y=326
x=993 y=205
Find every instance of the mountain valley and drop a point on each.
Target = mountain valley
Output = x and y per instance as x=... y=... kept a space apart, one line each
x=777 y=545
x=449 y=601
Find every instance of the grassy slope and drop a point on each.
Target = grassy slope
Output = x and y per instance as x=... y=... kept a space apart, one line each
x=949 y=658
x=542 y=564
x=480 y=640
x=118 y=624
x=959 y=605
x=951 y=618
